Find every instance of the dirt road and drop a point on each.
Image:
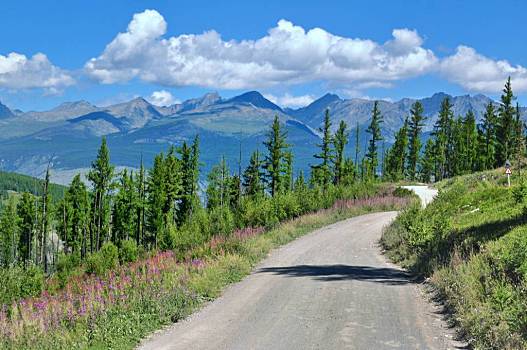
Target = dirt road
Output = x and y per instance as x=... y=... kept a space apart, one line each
x=331 y=289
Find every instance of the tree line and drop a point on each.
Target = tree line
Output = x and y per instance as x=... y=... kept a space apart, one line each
x=165 y=208
x=457 y=145
x=161 y=208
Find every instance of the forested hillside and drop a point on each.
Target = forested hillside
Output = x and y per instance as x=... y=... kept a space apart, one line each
x=23 y=183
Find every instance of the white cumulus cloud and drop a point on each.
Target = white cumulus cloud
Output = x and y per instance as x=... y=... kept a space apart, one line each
x=17 y=71
x=162 y=98
x=288 y=100
x=287 y=54
x=476 y=72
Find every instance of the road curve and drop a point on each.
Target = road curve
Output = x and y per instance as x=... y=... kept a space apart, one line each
x=425 y=193
x=331 y=289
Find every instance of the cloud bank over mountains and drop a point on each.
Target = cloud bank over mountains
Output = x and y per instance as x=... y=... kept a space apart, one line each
x=287 y=55
x=20 y=72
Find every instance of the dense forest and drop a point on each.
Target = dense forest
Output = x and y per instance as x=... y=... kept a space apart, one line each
x=12 y=182
x=164 y=207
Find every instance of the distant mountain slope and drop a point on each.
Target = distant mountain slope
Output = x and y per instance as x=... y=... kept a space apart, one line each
x=135 y=113
x=5 y=112
x=256 y=99
x=70 y=133
x=357 y=110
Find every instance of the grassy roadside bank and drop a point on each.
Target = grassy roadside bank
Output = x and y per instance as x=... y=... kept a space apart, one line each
x=118 y=310
x=472 y=243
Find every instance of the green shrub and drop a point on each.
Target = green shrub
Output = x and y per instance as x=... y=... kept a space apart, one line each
x=128 y=251
x=221 y=221
x=105 y=259
x=17 y=282
x=66 y=265
x=519 y=192
x=402 y=192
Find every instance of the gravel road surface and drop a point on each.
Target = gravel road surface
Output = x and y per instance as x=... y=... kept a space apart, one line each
x=331 y=289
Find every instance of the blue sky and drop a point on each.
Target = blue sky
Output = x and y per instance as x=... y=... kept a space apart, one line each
x=453 y=46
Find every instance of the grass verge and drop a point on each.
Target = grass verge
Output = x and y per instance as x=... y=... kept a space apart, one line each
x=472 y=243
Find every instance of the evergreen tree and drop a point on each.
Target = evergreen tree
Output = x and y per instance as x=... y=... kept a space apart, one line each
x=428 y=161
x=45 y=220
x=325 y=155
x=8 y=234
x=234 y=193
x=340 y=140
x=287 y=184
x=173 y=186
x=357 y=149
x=125 y=208
x=506 y=125
x=252 y=177
x=519 y=142
x=470 y=155
x=300 y=185
x=349 y=170
x=415 y=126
x=190 y=176
x=458 y=144
x=218 y=189
x=396 y=158
x=443 y=139
x=274 y=161
x=156 y=201
x=78 y=197
x=26 y=212
x=101 y=177
x=375 y=130
x=140 y=188
x=489 y=128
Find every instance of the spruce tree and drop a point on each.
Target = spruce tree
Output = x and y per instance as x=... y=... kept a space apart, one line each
x=8 y=234
x=190 y=176
x=489 y=128
x=274 y=160
x=101 y=177
x=218 y=189
x=26 y=212
x=442 y=138
x=357 y=148
x=252 y=177
x=458 y=143
x=140 y=188
x=340 y=140
x=156 y=201
x=375 y=131
x=45 y=220
x=506 y=125
x=287 y=183
x=173 y=173
x=325 y=155
x=428 y=161
x=396 y=158
x=415 y=126
x=125 y=208
x=471 y=142
x=519 y=142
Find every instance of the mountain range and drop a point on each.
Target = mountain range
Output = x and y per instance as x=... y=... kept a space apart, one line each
x=68 y=135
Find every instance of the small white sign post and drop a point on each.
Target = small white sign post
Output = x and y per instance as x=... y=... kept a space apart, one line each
x=508 y=172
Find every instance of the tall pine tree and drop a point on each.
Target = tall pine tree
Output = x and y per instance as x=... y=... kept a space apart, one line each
x=415 y=127
x=374 y=130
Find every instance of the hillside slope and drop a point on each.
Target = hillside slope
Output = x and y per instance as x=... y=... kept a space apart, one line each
x=472 y=242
